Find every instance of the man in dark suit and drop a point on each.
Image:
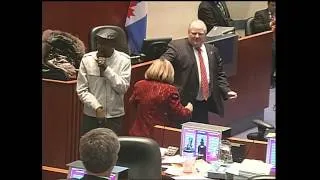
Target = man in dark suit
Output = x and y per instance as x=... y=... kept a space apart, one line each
x=199 y=73
x=265 y=20
x=214 y=13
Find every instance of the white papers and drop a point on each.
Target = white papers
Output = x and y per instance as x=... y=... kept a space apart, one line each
x=202 y=166
x=271 y=135
x=175 y=171
x=163 y=151
x=234 y=168
x=177 y=159
x=190 y=177
x=251 y=167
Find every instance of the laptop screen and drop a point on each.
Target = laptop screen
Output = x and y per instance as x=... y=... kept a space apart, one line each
x=78 y=173
x=200 y=142
x=271 y=153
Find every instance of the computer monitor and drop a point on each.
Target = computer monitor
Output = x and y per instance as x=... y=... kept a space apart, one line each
x=153 y=48
x=271 y=153
x=77 y=171
x=228 y=49
x=200 y=140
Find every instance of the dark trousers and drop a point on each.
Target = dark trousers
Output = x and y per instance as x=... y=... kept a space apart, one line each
x=200 y=112
x=89 y=123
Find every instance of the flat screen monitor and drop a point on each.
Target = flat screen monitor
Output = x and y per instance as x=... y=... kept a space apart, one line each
x=78 y=173
x=271 y=153
x=200 y=140
x=155 y=47
x=228 y=49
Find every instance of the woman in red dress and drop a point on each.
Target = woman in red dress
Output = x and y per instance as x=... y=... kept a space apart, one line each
x=156 y=100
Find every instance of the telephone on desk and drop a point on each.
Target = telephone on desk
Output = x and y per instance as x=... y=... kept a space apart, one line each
x=171 y=151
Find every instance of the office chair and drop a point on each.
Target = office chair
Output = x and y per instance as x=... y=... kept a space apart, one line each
x=249 y=27
x=259 y=177
x=262 y=128
x=121 y=41
x=141 y=155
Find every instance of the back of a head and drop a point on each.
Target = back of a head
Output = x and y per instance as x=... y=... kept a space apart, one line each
x=160 y=70
x=99 y=150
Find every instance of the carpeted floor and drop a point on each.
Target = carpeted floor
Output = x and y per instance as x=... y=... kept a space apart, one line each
x=269 y=115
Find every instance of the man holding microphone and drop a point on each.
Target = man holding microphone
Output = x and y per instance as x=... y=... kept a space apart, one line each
x=103 y=79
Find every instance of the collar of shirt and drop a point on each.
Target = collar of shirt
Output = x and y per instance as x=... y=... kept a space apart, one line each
x=203 y=48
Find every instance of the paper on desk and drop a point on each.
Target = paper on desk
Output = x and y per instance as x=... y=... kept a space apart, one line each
x=254 y=167
x=173 y=159
x=202 y=166
x=174 y=170
x=233 y=168
x=163 y=151
x=271 y=135
x=189 y=177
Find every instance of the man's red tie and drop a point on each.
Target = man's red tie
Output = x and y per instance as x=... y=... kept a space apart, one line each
x=204 y=79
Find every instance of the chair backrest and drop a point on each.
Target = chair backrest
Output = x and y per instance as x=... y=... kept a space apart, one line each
x=249 y=27
x=142 y=157
x=121 y=45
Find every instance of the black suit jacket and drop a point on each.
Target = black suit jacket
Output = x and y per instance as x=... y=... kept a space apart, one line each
x=211 y=15
x=261 y=21
x=180 y=53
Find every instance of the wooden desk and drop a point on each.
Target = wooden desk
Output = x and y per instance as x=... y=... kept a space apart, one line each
x=61 y=113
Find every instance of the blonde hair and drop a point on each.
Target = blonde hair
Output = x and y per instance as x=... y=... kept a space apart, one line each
x=160 y=70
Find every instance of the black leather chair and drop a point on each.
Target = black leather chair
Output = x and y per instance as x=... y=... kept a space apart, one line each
x=122 y=43
x=141 y=155
x=154 y=48
x=249 y=27
x=263 y=128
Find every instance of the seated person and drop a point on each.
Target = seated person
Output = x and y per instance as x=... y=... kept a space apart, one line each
x=214 y=13
x=157 y=100
x=99 y=150
x=264 y=20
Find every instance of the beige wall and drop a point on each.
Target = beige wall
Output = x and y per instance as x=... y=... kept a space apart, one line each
x=245 y=9
x=171 y=18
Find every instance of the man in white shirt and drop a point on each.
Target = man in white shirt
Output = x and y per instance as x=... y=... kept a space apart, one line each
x=103 y=79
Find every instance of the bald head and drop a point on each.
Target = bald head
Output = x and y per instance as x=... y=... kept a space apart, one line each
x=196 y=33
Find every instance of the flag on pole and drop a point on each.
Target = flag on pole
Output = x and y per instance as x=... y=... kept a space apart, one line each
x=136 y=25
